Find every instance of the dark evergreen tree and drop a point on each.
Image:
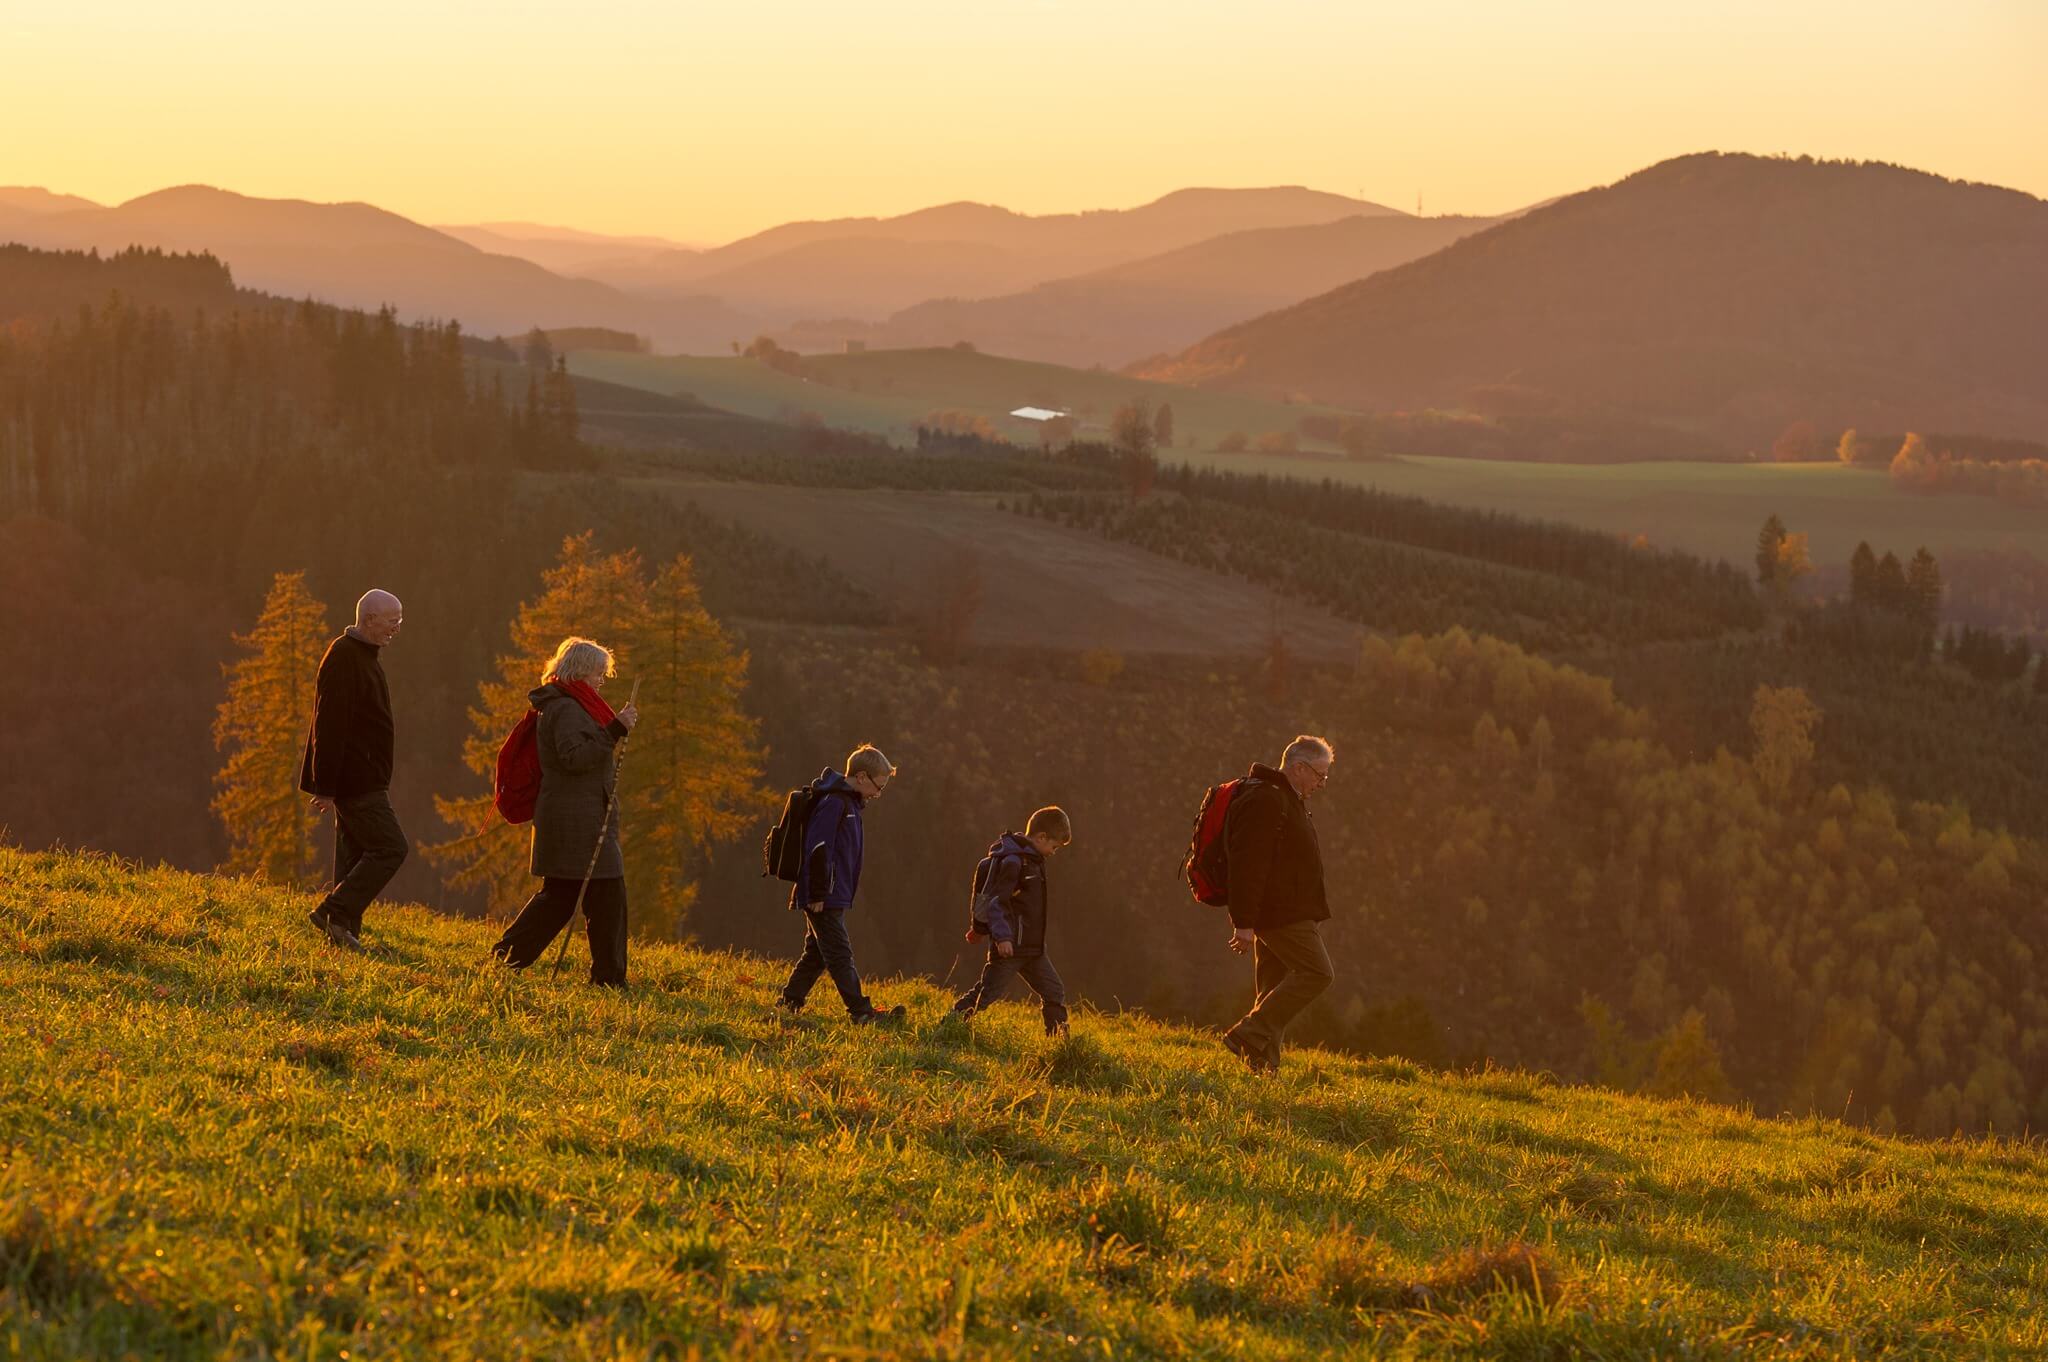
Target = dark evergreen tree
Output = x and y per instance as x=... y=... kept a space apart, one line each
x=1770 y=543
x=1863 y=574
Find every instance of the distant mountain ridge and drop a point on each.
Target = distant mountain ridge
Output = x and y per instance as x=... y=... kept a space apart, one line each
x=1014 y=250
x=1138 y=309
x=1722 y=295
x=359 y=255
x=507 y=277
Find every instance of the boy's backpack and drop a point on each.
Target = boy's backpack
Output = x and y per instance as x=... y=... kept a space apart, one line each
x=977 y=925
x=1207 y=866
x=516 y=787
x=782 y=850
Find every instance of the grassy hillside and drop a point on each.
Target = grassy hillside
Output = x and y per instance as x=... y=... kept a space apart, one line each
x=224 y=1139
x=1712 y=509
x=888 y=392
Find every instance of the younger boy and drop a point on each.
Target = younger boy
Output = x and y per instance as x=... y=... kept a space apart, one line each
x=1009 y=909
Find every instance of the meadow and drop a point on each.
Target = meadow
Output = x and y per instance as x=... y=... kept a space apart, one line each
x=889 y=392
x=1710 y=509
x=224 y=1139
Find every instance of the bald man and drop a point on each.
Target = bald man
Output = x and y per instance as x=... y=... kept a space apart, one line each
x=347 y=768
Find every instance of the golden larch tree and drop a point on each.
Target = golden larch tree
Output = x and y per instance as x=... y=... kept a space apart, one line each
x=261 y=725
x=592 y=595
x=696 y=755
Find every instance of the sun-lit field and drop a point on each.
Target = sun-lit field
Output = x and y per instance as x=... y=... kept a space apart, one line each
x=889 y=392
x=1712 y=509
x=225 y=1139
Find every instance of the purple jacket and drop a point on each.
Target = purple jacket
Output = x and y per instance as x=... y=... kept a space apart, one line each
x=830 y=872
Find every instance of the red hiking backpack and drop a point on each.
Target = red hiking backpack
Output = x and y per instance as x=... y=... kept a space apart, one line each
x=1207 y=866
x=516 y=787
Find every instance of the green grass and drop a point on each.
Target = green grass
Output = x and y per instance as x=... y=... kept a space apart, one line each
x=888 y=392
x=225 y=1139
x=1711 y=509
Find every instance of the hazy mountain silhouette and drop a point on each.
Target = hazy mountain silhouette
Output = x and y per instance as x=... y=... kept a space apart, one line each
x=1162 y=302
x=358 y=255
x=1725 y=294
x=565 y=250
x=26 y=200
x=967 y=250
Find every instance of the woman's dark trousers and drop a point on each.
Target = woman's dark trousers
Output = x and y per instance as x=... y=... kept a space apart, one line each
x=826 y=947
x=547 y=912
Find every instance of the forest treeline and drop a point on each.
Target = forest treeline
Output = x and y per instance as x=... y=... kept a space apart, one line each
x=1527 y=866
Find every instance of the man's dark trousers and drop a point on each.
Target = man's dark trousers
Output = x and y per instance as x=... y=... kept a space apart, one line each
x=1292 y=968
x=1035 y=970
x=369 y=846
x=827 y=947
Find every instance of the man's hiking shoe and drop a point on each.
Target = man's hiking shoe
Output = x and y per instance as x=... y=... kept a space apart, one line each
x=880 y=1016
x=334 y=931
x=1255 y=1059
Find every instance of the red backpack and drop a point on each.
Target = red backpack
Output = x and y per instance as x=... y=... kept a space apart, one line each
x=517 y=786
x=1207 y=866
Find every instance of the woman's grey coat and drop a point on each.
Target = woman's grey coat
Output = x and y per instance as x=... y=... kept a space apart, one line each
x=576 y=776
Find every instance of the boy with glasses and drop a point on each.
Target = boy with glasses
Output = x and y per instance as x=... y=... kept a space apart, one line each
x=828 y=879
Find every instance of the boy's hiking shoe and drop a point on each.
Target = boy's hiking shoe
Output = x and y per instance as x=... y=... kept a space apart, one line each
x=879 y=1016
x=1255 y=1059
x=334 y=931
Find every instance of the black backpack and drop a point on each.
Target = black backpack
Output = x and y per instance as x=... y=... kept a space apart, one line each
x=782 y=850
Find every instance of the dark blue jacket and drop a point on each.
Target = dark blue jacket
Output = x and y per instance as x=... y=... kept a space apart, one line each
x=1012 y=899
x=830 y=872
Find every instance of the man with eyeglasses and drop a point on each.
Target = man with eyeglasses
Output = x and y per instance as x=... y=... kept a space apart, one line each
x=1276 y=896
x=827 y=879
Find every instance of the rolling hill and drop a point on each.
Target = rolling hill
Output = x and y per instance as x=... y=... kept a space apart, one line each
x=1720 y=294
x=227 y=1139
x=357 y=255
x=1142 y=308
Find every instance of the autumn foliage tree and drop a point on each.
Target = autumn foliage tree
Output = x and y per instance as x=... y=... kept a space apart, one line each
x=600 y=596
x=694 y=773
x=1131 y=432
x=261 y=725
x=696 y=756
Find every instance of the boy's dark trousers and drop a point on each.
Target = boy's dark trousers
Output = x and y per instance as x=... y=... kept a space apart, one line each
x=549 y=910
x=827 y=947
x=1036 y=970
x=369 y=846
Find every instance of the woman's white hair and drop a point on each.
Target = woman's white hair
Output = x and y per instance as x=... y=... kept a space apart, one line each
x=578 y=659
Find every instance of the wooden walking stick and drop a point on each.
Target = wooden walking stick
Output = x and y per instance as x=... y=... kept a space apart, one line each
x=604 y=825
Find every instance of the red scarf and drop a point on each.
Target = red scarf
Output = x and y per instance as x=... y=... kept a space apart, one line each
x=586 y=695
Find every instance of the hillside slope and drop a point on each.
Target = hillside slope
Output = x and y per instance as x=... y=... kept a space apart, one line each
x=1730 y=295
x=225 y=1139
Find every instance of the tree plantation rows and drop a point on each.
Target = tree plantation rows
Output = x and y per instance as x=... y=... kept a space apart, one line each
x=1381 y=583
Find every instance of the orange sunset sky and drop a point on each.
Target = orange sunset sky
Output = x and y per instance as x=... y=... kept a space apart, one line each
x=703 y=122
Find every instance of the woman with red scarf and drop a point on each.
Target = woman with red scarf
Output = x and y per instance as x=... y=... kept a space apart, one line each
x=577 y=734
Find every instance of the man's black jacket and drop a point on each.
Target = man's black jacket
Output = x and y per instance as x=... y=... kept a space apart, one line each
x=348 y=752
x=1276 y=865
